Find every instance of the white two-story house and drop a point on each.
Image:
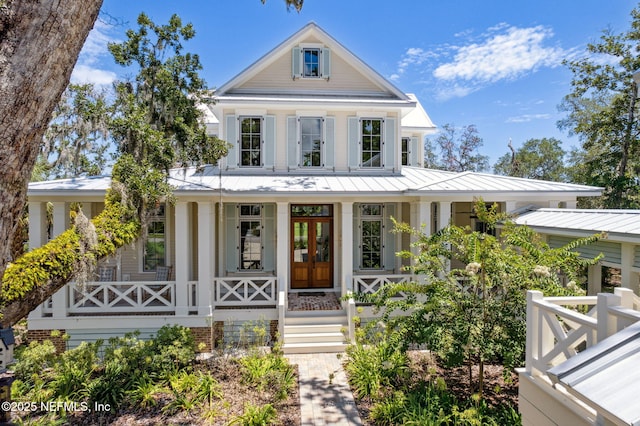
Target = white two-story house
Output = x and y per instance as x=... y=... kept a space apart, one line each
x=324 y=151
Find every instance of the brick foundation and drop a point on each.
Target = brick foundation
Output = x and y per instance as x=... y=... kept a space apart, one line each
x=202 y=335
x=41 y=335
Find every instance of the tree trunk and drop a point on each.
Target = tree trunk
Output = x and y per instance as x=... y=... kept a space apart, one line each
x=40 y=41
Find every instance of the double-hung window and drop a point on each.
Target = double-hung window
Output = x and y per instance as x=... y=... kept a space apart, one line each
x=406 y=142
x=371 y=228
x=311 y=62
x=251 y=141
x=155 y=243
x=371 y=142
x=250 y=221
x=311 y=142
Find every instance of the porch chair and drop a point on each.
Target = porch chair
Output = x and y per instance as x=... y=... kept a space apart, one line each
x=106 y=273
x=163 y=273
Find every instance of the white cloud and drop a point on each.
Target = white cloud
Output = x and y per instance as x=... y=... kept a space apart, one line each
x=504 y=52
x=88 y=68
x=84 y=74
x=525 y=118
x=414 y=56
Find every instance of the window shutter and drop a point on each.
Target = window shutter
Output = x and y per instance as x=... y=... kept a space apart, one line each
x=389 y=238
x=296 y=63
x=326 y=63
x=269 y=237
x=357 y=238
x=232 y=249
x=414 y=151
x=292 y=142
x=231 y=129
x=390 y=145
x=353 y=139
x=329 y=142
x=269 y=139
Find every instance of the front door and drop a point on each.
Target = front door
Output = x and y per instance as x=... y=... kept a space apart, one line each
x=311 y=252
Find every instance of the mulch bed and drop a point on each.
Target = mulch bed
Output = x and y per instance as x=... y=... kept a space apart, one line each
x=227 y=372
x=497 y=390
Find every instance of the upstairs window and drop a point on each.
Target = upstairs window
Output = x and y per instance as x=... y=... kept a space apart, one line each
x=311 y=142
x=371 y=142
x=406 y=142
x=251 y=141
x=311 y=62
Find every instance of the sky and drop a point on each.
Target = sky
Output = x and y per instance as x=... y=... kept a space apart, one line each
x=494 y=64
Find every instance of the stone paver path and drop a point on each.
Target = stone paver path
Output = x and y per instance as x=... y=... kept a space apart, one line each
x=325 y=396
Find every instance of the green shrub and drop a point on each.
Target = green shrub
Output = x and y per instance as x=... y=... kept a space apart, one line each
x=372 y=369
x=269 y=370
x=33 y=360
x=257 y=415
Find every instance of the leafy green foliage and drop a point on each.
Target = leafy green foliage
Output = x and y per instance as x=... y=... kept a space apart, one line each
x=535 y=159
x=257 y=415
x=456 y=150
x=475 y=313
x=602 y=111
x=268 y=371
x=76 y=141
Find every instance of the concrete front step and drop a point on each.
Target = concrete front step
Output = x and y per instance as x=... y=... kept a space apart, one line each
x=310 y=348
x=337 y=327
x=329 y=338
x=323 y=332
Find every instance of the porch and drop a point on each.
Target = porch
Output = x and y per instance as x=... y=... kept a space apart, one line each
x=577 y=335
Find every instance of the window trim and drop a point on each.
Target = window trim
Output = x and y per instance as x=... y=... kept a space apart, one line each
x=250 y=218
x=380 y=218
x=361 y=142
x=405 y=154
x=155 y=218
x=301 y=143
x=240 y=134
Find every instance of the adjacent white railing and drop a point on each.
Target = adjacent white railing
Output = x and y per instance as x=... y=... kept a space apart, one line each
x=367 y=284
x=560 y=327
x=245 y=291
x=122 y=297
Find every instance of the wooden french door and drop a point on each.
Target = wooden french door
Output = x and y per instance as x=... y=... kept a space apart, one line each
x=311 y=252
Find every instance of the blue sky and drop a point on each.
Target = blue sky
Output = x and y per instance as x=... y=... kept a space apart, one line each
x=494 y=64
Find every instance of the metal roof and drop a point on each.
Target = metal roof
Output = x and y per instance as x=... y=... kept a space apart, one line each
x=408 y=181
x=607 y=376
x=484 y=182
x=614 y=222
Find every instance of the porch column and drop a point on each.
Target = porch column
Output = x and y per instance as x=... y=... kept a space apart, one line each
x=60 y=223
x=37 y=236
x=420 y=217
x=60 y=218
x=37 y=224
x=206 y=256
x=594 y=279
x=444 y=217
x=347 y=247
x=626 y=263
x=444 y=214
x=182 y=258
x=282 y=245
x=509 y=206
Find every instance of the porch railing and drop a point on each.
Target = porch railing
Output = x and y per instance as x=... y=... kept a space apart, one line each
x=120 y=297
x=367 y=284
x=245 y=291
x=560 y=327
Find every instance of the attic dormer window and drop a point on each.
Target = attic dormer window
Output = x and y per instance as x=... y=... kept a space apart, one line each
x=311 y=58
x=311 y=62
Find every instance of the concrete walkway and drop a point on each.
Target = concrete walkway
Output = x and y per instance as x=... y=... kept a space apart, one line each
x=325 y=396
